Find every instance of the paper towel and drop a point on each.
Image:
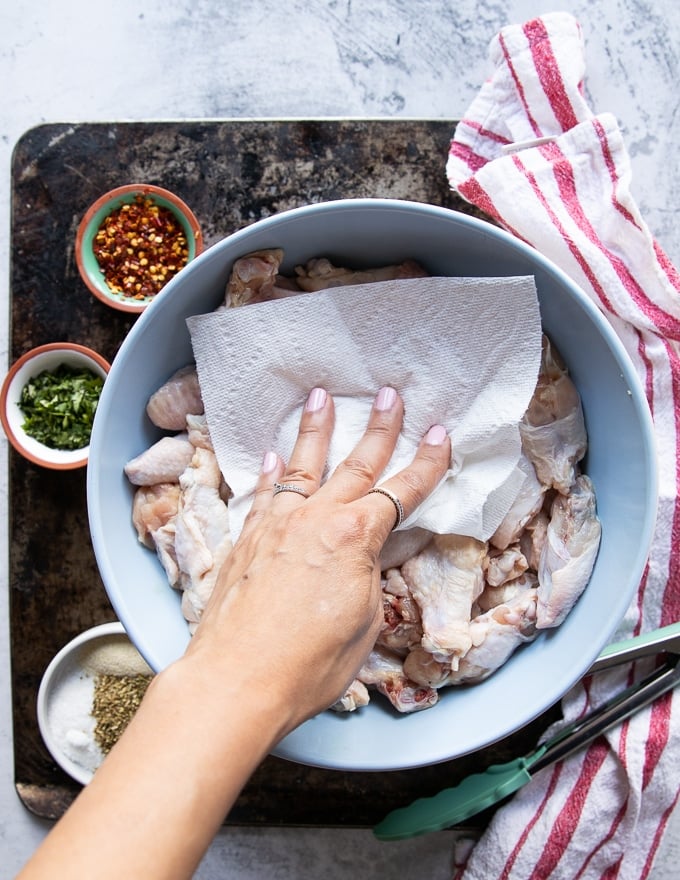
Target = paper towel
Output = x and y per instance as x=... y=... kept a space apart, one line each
x=462 y=352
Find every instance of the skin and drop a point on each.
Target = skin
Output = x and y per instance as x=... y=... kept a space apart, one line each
x=299 y=599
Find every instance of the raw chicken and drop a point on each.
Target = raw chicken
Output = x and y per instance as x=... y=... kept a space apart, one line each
x=154 y=510
x=528 y=502
x=255 y=278
x=320 y=274
x=354 y=698
x=161 y=463
x=491 y=597
x=202 y=539
x=402 y=545
x=533 y=538
x=384 y=671
x=395 y=584
x=505 y=565
x=495 y=636
x=572 y=542
x=175 y=399
x=164 y=542
x=152 y=507
x=445 y=579
x=553 y=430
x=421 y=667
x=401 y=629
x=198 y=432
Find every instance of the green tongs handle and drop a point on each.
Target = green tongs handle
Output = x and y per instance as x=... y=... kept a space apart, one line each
x=453 y=805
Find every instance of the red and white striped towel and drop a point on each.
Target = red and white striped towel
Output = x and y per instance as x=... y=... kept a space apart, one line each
x=603 y=812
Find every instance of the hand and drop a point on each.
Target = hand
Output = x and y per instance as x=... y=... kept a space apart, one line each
x=295 y=611
x=298 y=600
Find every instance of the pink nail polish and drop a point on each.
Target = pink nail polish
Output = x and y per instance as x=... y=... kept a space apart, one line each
x=385 y=398
x=316 y=400
x=269 y=462
x=435 y=436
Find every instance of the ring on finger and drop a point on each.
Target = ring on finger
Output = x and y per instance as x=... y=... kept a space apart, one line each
x=289 y=487
x=398 y=506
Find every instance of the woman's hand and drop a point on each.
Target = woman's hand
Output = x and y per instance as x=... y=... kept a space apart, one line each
x=294 y=613
x=298 y=601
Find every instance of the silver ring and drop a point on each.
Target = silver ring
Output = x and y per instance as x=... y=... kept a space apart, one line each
x=393 y=498
x=288 y=487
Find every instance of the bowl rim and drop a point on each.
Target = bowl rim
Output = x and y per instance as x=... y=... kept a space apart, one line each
x=102 y=630
x=101 y=208
x=53 y=459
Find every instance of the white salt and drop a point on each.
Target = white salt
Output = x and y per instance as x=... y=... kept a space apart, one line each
x=69 y=715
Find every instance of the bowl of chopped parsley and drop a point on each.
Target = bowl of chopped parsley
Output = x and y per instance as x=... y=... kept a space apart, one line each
x=132 y=241
x=48 y=403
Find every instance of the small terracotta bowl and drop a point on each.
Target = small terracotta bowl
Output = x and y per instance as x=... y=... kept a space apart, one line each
x=45 y=357
x=96 y=215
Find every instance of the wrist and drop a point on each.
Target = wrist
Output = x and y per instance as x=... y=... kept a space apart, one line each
x=228 y=699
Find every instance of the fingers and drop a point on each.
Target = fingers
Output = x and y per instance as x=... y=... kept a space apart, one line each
x=359 y=471
x=272 y=470
x=308 y=458
x=412 y=485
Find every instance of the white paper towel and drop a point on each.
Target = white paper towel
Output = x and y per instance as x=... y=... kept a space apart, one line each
x=462 y=352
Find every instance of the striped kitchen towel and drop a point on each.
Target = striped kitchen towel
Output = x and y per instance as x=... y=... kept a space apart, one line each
x=532 y=155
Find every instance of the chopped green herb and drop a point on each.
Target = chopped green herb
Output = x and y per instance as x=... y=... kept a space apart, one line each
x=59 y=406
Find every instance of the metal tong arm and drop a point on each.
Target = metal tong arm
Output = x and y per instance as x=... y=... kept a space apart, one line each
x=613 y=711
x=665 y=639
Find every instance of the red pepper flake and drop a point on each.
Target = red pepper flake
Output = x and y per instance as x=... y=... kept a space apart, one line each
x=140 y=247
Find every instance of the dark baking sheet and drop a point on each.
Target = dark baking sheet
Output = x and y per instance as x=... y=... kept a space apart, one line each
x=231 y=173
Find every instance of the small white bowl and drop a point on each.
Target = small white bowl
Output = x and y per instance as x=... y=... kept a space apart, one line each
x=66 y=691
x=45 y=357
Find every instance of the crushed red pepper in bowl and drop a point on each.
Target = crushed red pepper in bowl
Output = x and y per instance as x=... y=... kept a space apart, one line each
x=132 y=242
x=140 y=247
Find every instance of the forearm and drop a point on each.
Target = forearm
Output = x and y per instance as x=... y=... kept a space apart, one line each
x=155 y=804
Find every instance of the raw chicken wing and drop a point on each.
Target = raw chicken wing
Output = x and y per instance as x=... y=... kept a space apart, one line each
x=163 y=462
x=495 y=635
x=505 y=565
x=354 y=698
x=401 y=628
x=255 y=278
x=445 y=579
x=572 y=542
x=402 y=545
x=385 y=672
x=152 y=508
x=175 y=399
x=320 y=274
x=202 y=539
x=528 y=502
x=553 y=430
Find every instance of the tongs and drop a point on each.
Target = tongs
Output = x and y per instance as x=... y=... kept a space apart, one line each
x=482 y=790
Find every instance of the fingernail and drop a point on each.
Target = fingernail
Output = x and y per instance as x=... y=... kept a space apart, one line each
x=316 y=400
x=385 y=398
x=435 y=436
x=269 y=462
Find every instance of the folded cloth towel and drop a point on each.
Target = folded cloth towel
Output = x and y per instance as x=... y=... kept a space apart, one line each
x=531 y=154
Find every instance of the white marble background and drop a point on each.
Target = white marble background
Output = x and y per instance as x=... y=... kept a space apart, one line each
x=75 y=60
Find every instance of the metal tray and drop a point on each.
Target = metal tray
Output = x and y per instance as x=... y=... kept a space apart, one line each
x=231 y=173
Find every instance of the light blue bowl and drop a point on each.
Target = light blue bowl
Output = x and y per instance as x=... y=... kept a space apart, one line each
x=621 y=462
